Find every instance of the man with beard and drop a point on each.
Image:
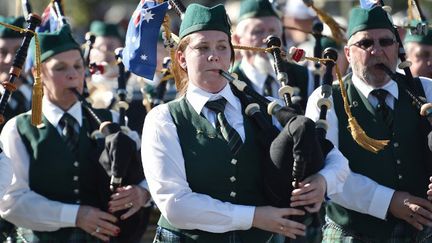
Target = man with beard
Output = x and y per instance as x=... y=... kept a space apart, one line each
x=419 y=51
x=257 y=20
x=384 y=199
x=10 y=41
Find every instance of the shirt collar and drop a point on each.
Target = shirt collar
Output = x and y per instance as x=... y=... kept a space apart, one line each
x=252 y=73
x=54 y=113
x=198 y=97
x=366 y=89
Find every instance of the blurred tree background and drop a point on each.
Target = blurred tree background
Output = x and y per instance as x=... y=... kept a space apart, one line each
x=82 y=12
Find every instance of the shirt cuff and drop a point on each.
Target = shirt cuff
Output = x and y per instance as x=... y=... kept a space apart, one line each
x=243 y=217
x=334 y=184
x=336 y=172
x=144 y=184
x=380 y=202
x=68 y=215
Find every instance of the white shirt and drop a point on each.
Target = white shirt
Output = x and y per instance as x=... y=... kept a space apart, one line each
x=164 y=168
x=258 y=79
x=5 y=173
x=359 y=192
x=22 y=206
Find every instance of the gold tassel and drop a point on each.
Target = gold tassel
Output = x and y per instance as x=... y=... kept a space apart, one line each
x=335 y=28
x=18 y=11
x=37 y=92
x=167 y=77
x=357 y=133
x=170 y=37
x=362 y=139
x=410 y=13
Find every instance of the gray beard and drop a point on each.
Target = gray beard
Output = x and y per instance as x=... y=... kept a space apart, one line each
x=369 y=76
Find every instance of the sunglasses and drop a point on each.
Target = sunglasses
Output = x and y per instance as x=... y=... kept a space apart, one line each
x=366 y=44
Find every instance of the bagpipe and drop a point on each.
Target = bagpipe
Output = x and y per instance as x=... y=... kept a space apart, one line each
x=317 y=29
x=118 y=159
x=162 y=92
x=121 y=105
x=89 y=41
x=295 y=152
x=33 y=21
x=120 y=165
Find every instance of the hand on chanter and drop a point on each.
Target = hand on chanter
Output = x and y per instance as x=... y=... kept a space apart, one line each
x=131 y=197
x=96 y=222
x=429 y=192
x=276 y=220
x=414 y=210
x=310 y=193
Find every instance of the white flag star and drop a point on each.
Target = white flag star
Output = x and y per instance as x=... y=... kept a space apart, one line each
x=144 y=57
x=148 y=16
x=133 y=39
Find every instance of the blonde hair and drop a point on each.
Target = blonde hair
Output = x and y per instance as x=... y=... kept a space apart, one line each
x=180 y=74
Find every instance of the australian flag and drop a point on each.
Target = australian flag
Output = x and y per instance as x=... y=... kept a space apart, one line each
x=368 y=4
x=139 y=53
x=50 y=21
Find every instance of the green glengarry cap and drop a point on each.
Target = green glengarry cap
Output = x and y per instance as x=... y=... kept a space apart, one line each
x=329 y=42
x=421 y=39
x=56 y=42
x=366 y=19
x=198 y=18
x=9 y=33
x=99 y=28
x=256 y=9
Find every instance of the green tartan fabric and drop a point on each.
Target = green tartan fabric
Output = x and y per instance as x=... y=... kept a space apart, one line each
x=7 y=231
x=74 y=235
x=402 y=233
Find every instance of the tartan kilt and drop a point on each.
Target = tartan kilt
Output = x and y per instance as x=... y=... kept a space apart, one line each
x=67 y=235
x=402 y=233
x=7 y=230
x=164 y=235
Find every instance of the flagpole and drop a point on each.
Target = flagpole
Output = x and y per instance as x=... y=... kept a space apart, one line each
x=17 y=8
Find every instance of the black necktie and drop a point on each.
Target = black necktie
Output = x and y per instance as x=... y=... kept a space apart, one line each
x=268 y=90
x=382 y=107
x=70 y=135
x=230 y=134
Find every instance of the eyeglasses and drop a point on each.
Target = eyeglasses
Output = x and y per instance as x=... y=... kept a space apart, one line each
x=366 y=44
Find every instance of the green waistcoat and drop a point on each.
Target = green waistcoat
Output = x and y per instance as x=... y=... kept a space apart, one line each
x=401 y=165
x=55 y=172
x=299 y=73
x=210 y=168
